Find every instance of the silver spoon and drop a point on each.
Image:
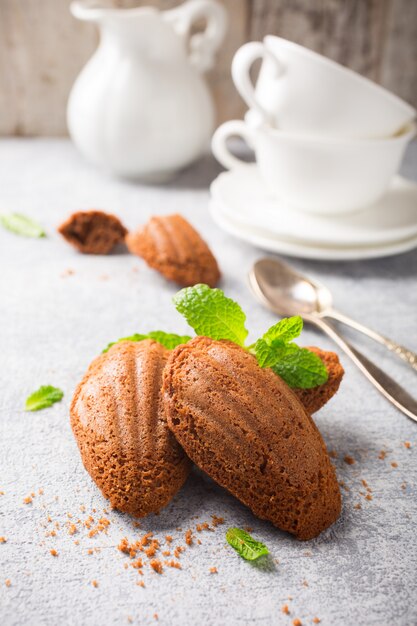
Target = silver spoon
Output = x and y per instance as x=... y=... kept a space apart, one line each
x=286 y=292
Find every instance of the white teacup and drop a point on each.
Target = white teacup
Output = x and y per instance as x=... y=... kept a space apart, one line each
x=313 y=175
x=300 y=91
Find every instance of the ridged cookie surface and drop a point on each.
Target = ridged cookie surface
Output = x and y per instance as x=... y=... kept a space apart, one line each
x=170 y=245
x=118 y=420
x=314 y=399
x=93 y=232
x=244 y=427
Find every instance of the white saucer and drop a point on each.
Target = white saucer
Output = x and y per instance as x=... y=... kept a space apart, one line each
x=267 y=241
x=244 y=199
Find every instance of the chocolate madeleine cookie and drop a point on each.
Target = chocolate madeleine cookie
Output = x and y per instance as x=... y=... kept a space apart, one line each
x=118 y=420
x=170 y=245
x=246 y=429
x=315 y=398
x=93 y=232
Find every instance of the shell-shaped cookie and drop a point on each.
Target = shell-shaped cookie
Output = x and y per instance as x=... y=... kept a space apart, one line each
x=118 y=420
x=314 y=399
x=170 y=245
x=244 y=427
x=93 y=232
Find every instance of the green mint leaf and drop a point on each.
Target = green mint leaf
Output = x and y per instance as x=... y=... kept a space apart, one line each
x=169 y=340
x=21 y=225
x=245 y=545
x=211 y=314
x=302 y=369
x=285 y=331
x=268 y=354
x=43 y=398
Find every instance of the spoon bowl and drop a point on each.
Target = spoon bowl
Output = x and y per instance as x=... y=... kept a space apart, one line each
x=287 y=292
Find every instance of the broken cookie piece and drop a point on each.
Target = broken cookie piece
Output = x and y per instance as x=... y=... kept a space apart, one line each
x=93 y=232
x=170 y=245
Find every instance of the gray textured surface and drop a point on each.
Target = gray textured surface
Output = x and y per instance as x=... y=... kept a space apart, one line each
x=362 y=571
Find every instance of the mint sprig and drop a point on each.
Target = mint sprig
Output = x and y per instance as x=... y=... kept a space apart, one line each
x=245 y=545
x=43 y=398
x=21 y=225
x=298 y=367
x=169 y=340
x=211 y=314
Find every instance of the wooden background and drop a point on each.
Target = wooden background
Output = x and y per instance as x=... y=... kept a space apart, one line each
x=42 y=49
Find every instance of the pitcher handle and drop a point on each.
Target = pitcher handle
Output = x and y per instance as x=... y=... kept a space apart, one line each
x=202 y=46
x=242 y=63
x=233 y=128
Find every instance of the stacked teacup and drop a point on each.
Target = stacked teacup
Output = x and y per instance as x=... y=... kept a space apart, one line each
x=326 y=140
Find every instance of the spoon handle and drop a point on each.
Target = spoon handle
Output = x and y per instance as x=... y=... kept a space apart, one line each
x=406 y=355
x=386 y=385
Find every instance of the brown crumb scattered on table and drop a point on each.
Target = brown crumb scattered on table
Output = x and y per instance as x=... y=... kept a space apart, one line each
x=296 y=622
x=403 y=486
x=140 y=583
x=382 y=454
x=27 y=500
x=7 y=582
x=3 y=540
x=156 y=566
x=368 y=496
x=90 y=551
x=394 y=464
x=358 y=505
x=248 y=529
x=94 y=583
x=333 y=454
x=53 y=552
x=1 y=493
x=407 y=445
x=189 y=537
x=156 y=616
x=72 y=529
x=217 y=521
x=168 y=538
x=213 y=570
x=316 y=620
x=285 y=609
x=349 y=459
x=166 y=553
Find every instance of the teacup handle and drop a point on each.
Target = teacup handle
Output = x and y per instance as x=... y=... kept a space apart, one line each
x=242 y=63
x=234 y=128
x=202 y=46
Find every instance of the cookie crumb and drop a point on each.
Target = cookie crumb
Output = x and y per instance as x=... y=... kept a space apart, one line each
x=316 y=620
x=349 y=459
x=382 y=454
x=27 y=500
x=357 y=506
x=213 y=570
x=285 y=609
x=8 y=582
x=3 y=540
x=189 y=537
x=297 y=622
x=407 y=445
x=140 y=583
x=53 y=552
x=94 y=583
x=168 y=538
x=368 y=496
x=156 y=616
x=156 y=566
x=394 y=464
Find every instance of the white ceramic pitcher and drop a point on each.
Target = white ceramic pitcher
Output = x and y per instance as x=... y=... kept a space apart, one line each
x=140 y=107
